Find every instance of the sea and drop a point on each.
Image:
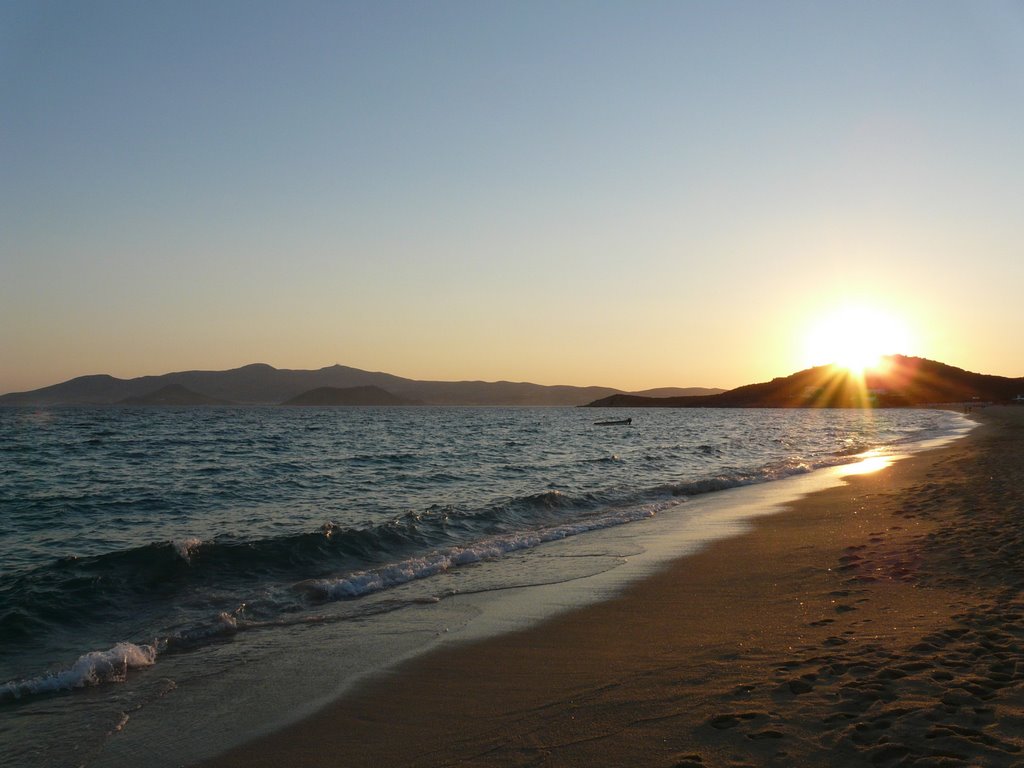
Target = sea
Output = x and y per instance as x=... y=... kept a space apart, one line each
x=175 y=581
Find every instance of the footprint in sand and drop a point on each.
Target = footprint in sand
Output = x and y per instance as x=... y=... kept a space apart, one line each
x=768 y=734
x=732 y=719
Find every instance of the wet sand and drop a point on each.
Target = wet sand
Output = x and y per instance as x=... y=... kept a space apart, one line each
x=876 y=623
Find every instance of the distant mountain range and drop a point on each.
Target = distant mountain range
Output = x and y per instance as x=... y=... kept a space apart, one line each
x=261 y=384
x=902 y=381
x=899 y=381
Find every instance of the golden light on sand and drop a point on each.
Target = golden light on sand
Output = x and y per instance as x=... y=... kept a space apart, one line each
x=855 y=338
x=869 y=462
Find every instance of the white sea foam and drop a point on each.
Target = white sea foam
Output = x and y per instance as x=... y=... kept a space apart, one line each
x=121 y=723
x=778 y=471
x=185 y=547
x=94 y=668
x=365 y=582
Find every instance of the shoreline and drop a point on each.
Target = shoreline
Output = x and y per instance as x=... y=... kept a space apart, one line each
x=803 y=653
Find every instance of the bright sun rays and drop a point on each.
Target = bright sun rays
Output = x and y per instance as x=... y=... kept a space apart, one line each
x=856 y=338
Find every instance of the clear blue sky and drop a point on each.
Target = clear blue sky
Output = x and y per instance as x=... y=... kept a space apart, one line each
x=626 y=194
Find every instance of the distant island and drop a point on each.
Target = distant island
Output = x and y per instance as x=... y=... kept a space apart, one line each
x=368 y=395
x=900 y=381
x=261 y=384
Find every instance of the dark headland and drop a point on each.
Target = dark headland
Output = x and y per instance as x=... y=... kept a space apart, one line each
x=899 y=382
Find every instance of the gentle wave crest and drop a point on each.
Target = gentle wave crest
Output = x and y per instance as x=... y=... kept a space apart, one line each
x=766 y=474
x=395 y=574
x=93 y=668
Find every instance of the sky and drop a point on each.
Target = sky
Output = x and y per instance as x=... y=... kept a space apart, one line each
x=626 y=194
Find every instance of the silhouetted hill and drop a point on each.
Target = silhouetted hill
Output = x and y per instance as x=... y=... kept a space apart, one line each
x=900 y=381
x=173 y=394
x=82 y=390
x=348 y=396
x=678 y=392
x=261 y=384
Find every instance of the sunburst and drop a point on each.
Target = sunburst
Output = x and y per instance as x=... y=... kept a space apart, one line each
x=856 y=338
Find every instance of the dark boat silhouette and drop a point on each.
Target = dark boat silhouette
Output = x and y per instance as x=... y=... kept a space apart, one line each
x=615 y=423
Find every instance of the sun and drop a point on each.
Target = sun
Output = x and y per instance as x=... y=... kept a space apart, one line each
x=856 y=338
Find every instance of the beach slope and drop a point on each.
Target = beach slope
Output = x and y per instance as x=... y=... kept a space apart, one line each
x=880 y=622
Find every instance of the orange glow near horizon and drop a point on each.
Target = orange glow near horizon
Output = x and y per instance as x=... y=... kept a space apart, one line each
x=855 y=338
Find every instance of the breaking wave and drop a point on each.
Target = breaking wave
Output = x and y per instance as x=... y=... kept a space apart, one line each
x=365 y=582
x=93 y=668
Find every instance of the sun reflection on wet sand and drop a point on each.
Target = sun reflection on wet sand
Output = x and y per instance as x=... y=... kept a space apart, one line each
x=871 y=461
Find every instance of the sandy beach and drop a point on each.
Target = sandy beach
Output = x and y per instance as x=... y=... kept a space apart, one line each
x=880 y=622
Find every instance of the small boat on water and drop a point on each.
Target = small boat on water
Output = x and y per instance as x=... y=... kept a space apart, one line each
x=616 y=423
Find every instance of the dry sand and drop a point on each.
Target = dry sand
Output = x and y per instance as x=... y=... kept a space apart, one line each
x=876 y=623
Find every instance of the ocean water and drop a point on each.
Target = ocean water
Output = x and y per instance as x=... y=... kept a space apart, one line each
x=212 y=571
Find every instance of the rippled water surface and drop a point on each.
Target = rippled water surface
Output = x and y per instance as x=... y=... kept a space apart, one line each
x=132 y=536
